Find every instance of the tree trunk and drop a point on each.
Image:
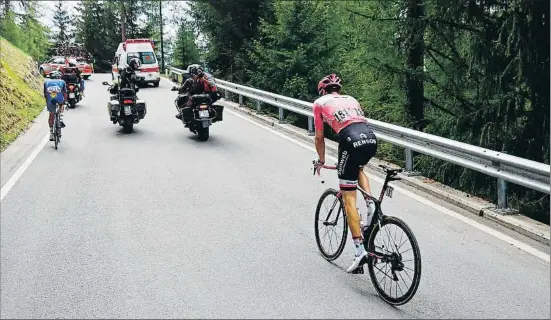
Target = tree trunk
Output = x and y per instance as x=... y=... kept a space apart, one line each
x=123 y=21
x=415 y=52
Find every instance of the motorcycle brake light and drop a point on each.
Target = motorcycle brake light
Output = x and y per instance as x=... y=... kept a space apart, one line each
x=203 y=106
x=127 y=101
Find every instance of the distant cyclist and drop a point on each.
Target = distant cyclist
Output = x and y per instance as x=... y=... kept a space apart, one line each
x=357 y=145
x=55 y=92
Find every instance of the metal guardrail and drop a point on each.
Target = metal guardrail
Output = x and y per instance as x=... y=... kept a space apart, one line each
x=504 y=167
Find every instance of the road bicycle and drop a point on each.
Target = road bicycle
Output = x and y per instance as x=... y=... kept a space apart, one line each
x=385 y=252
x=56 y=128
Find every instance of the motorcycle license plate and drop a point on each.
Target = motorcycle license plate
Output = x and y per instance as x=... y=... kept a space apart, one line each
x=127 y=110
x=203 y=113
x=71 y=95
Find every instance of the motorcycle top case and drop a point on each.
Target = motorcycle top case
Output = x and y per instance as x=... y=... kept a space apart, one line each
x=127 y=93
x=141 y=106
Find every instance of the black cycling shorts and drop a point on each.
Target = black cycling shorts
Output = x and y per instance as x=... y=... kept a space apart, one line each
x=357 y=145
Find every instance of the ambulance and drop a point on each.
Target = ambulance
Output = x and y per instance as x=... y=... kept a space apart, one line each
x=144 y=51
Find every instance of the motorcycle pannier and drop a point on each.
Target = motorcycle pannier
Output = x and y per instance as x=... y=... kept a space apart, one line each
x=219 y=112
x=187 y=113
x=141 y=106
x=113 y=107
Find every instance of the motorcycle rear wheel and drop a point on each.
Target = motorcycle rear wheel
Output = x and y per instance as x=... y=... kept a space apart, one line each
x=203 y=134
x=128 y=127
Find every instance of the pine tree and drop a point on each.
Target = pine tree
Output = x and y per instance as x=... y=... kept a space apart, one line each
x=62 y=22
x=185 y=48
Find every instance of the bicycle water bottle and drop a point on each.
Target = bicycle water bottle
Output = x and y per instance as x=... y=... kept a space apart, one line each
x=362 y=219
x=370 y=207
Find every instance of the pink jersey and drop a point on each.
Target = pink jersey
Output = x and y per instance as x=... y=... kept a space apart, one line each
x=338 y=111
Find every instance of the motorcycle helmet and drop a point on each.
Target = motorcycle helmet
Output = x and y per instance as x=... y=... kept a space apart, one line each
x=55 y=75
x=193 y=71
x=200 y=72
x=134 y=64
x=72 y=63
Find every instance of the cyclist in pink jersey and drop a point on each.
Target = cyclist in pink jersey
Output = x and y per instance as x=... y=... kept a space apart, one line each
x=357 y=145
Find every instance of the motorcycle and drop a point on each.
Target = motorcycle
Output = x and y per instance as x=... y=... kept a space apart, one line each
x=201 y=115
x=73 y=91
x=125 y=108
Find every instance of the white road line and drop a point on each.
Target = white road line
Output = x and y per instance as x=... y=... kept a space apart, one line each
x=11 y=182
x=533 y=251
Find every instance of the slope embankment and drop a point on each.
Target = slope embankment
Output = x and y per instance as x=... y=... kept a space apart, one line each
x=21 y=98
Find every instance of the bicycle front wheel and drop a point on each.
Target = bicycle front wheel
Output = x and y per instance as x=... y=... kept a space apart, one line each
x=392 y=264
x=330 y=216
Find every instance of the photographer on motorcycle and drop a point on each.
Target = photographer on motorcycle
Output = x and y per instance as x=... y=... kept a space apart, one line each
x=71 y=74
x=128 y=77
x=199 y=83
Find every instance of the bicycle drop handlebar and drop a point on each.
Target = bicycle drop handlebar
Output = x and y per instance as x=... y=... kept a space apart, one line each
x=317 y=169
x=391 y=173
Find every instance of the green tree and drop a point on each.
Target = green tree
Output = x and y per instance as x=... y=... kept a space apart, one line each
x=62 y=22
x=229 y=26
x=24 y=30
x=185 y=51
x=293 y=52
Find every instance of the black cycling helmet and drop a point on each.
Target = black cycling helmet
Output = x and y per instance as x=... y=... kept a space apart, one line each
x=134 y=63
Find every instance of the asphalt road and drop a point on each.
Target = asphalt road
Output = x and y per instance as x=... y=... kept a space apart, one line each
x=156 y=224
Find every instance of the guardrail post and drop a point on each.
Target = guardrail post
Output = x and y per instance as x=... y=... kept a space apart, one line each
x=241 y=101
x=501 y=191
x=227 y=95
x=310 y=126
x=502 y=194
x=409 y=164
x=258 y=106
x=409 y=160
x=281 y=115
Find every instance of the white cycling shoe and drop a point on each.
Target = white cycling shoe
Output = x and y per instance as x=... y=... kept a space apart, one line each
x=357 y=262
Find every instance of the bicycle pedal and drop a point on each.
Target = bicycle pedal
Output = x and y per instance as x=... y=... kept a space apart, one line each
x=358 y=270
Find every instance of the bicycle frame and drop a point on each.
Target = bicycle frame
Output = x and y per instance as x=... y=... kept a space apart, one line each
x=385 y=190
x=377 y=215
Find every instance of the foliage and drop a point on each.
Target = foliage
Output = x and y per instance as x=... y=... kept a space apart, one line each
x=474 y=71
x=185 y=51
x=20 y=92
x=24 y=30
x=62 y=22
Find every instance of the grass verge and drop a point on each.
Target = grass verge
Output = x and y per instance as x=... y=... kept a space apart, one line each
x=21 y=99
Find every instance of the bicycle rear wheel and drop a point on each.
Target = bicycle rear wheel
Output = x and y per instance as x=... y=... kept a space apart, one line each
x=330 y=220
x=387 y=252
x=57 y=131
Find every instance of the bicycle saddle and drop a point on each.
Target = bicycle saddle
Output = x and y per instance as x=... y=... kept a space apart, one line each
x=391 y=171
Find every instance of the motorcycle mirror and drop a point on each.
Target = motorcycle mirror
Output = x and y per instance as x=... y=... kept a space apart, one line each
x=105 y=83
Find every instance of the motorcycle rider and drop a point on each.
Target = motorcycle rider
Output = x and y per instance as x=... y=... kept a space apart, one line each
x=197 y=84
x=55 y=91
x=71 y=74
x=128 y=77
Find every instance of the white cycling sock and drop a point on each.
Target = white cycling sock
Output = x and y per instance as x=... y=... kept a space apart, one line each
x=358 y=243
